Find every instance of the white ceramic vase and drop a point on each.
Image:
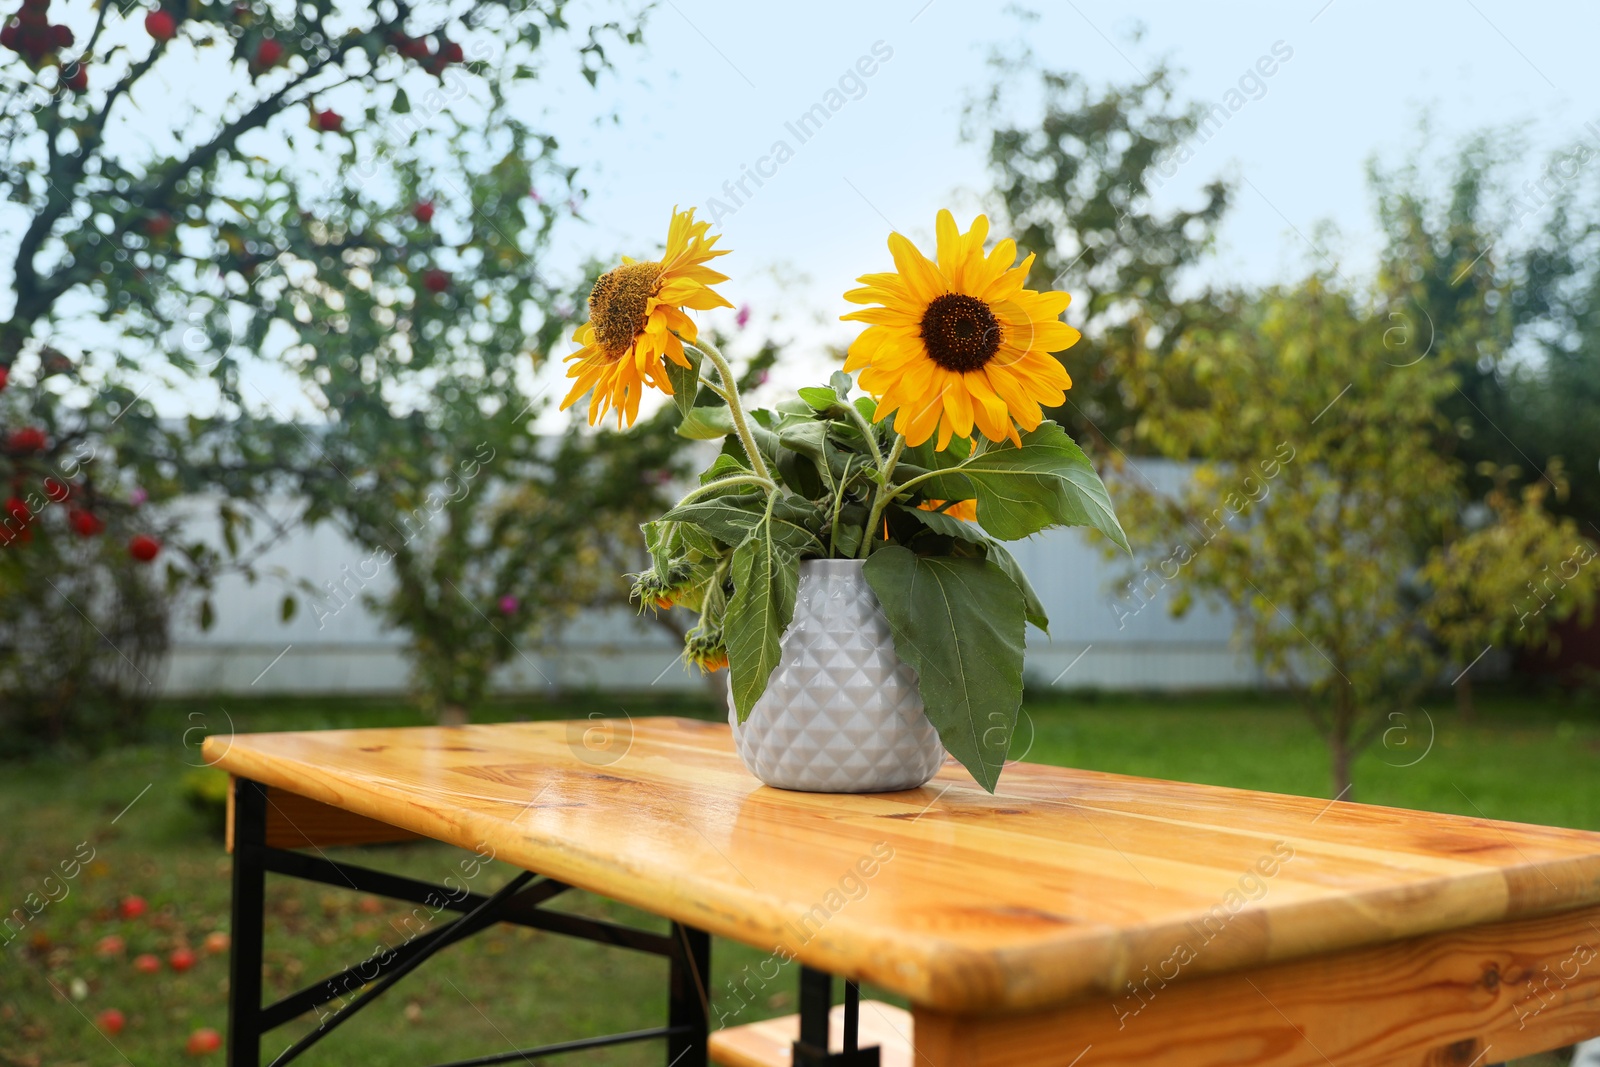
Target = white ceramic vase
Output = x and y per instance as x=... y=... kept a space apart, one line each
x=841 y=713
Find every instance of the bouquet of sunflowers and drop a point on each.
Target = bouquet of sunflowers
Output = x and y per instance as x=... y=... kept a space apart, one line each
x=946 y=456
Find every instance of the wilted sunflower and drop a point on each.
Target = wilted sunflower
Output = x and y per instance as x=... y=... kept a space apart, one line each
x=959 y=343
x=636 y=317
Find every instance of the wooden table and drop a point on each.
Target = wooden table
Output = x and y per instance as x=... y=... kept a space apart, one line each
x=1076 y=918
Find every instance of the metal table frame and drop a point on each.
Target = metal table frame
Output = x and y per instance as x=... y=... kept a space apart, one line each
x=517 y=902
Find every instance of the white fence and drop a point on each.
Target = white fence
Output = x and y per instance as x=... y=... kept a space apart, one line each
x=1096 y=641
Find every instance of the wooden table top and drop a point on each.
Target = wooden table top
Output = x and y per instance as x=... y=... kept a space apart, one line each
x=1064 y=885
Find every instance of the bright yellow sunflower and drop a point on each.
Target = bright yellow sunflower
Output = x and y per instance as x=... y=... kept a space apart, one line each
x=636 y=318
x=958 y=343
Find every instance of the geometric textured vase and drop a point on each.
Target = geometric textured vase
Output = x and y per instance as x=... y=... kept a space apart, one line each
x=841 y=713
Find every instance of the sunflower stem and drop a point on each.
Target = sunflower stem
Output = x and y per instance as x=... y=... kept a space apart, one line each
x=866 y=431
x=736 y=407
x=886 y=492
x=724 y=483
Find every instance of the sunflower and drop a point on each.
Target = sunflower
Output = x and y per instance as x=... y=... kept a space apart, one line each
x=961 y=509
x=636 y=318
x=957 y=342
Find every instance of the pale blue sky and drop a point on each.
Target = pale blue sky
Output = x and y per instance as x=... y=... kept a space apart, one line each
x=717 y=80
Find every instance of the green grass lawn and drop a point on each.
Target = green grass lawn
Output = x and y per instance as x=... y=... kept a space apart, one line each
x=1523 y=758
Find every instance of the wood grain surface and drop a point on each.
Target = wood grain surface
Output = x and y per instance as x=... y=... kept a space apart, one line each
x=1463 y=998
x=1065 y=886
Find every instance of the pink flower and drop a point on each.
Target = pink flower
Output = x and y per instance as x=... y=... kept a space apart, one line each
x=743 y=317
x=509 y=604
x=138 y=496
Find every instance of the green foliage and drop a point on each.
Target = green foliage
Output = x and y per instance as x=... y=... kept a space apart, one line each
x=1321 y=508
x=83 y=633
x=1502 y=281
x=196 y=254
x=1510 y=578
x=832 y=484
x=765 y=575
x=1073 y=184
x=959 y=622
x=1046 y=481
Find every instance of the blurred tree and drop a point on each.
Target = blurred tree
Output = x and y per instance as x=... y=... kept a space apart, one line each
x=1073 y=186
x=1321 y=504
x=1507 y=578
x=420 y=330
x=155 y=260
x=1553 y=400
x=84 y=592
x=1503 y=284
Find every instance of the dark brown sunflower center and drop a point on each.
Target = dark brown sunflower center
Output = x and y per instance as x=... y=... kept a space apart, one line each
x=618 y=304
x=960 y=332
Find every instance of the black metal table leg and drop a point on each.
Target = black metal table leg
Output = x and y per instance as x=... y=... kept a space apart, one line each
x=516 y=902
x=688 y=1005
x=816 y=1004
x=249 y=904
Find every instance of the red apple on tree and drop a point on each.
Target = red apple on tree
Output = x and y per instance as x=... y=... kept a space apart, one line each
x=435 y=280
x=143 y=547
x=85 y=523
x=268 y=52
x=329 y=121
x=160 y=25
x=422 y=211
x=27 y=440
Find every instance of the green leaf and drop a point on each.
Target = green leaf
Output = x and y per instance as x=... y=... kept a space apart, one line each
x=732 y=519
x=402 y=103
x=821 y=398
x=698 y=541
x=949 y=525
x=852 y=518
x=287 y=608
x=960 y=623
x=1003 y=558
x=685 y=382
x=940 y=522
x=706 y=423
x=841 y=383
x=657 y=541
x=805 y=438
x=724 y=466
x=765 y=577
x=1020 y=491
